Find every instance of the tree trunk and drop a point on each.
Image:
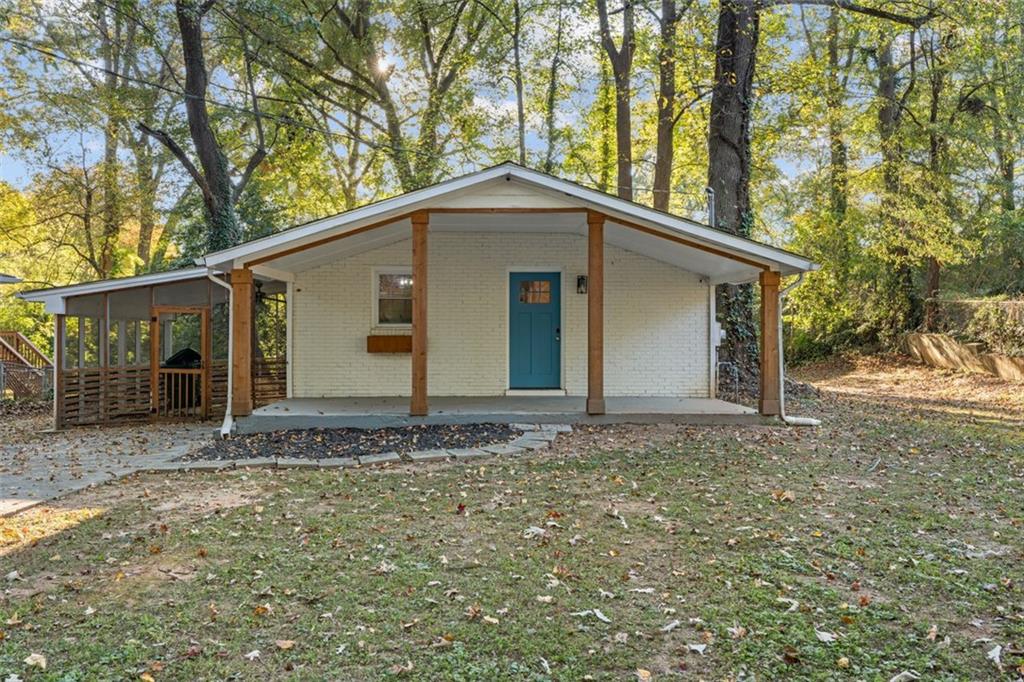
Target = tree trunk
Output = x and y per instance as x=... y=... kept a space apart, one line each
x=666 y=106
x=517 y=28
x=838 y=155
x=939 y=178
x=899 y=298
x=1007 y=169
x=110 y=213
x=729 y=166
x=621 y=60
x=606 y=95
x=218 y=192
x=552 y=94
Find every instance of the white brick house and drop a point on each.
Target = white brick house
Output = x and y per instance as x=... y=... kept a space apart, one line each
x=502 y=282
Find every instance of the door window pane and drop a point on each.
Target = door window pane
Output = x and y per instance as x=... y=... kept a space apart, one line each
x=535 y=291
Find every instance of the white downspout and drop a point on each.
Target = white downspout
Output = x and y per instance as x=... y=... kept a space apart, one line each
x=225 y=427
x=792 y=421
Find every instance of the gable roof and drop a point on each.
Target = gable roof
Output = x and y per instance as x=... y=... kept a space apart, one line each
x=657 y=223
x=8 y=279
x=631 y=226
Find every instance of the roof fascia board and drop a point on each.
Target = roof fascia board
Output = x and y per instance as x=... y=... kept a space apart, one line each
x=43 y=295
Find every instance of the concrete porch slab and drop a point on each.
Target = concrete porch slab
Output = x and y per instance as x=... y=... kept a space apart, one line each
x=371 y=413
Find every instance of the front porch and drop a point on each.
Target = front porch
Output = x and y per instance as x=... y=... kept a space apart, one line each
x=378 y=412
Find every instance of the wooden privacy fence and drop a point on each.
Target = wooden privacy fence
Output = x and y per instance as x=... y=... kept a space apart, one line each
x=100 y=395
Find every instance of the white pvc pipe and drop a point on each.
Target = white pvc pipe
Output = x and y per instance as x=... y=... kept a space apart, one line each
x=225 y=427
x=792 y=421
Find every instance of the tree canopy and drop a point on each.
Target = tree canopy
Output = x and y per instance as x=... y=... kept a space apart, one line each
x=879 y=138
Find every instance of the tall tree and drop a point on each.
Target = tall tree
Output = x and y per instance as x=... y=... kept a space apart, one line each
x=551 y=93
x=213 y=177
x=621 y=59
x=668 y=21
x=339 y=54
x=729 y=149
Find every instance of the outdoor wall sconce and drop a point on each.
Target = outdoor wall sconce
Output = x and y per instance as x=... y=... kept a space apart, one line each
x=581 y=284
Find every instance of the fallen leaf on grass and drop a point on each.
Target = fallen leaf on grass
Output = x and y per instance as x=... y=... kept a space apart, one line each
x=284 y=644
x=592 y=612
x=252 y=655
x=783 y=496
x=827 y=637
x=643 y=675
x=385 y=567
x=36 y=661
x=697 y=648
x=995 y=655
x=671 y=626
x=843 y=662
x=905 y=676
x=737 y=632
x=545 y=598
x=793 y=603
x=933 y=632
x=491 y=620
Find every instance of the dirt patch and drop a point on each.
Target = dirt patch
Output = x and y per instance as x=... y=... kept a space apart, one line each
x=204 y=502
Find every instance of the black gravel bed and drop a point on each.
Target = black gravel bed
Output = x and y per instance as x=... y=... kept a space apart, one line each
x=326 y=443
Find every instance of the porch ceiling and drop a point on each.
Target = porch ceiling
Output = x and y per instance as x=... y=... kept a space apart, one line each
x=712 y=266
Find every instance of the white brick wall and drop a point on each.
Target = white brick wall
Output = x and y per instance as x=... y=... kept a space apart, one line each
x=656 y=320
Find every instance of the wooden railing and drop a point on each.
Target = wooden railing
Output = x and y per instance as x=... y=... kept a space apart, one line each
x=180 y=393
x=96 y=395
x=25 y=349
x=269 y=380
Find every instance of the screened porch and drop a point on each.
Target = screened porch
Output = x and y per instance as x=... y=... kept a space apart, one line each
x=160 y=351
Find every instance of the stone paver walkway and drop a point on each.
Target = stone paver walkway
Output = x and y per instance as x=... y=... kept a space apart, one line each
x=36 y=465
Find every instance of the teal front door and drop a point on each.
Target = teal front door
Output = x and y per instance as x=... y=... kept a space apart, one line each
x=535 y=334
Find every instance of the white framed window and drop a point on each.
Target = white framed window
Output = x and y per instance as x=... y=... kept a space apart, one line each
x=392 y=296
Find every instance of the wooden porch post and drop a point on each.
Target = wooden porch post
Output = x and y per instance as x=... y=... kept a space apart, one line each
x=241 y=342
x=418 y=403
x=595 y=313
x=58 y=372
x=769 y=403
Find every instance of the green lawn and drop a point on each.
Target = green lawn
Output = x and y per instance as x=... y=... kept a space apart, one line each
x=896 y=531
